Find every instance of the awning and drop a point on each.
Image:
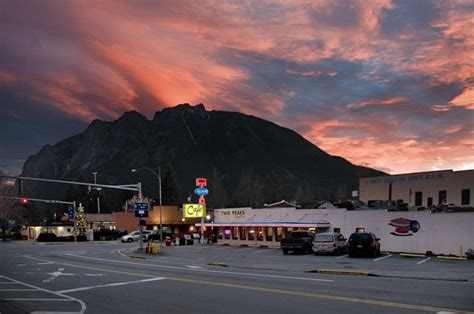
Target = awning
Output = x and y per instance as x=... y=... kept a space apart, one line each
x=324 y=224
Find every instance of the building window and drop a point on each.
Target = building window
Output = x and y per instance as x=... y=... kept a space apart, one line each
x=418 y=198
x=269 y=234
x=337 y=230
x=235 y=233
x=227 y=234
x=259 y=233
x=466 y=197
x=242 y=233
x=279 y=234
x=252 y=233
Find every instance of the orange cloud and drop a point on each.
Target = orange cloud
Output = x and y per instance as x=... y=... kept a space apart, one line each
x=466 y=99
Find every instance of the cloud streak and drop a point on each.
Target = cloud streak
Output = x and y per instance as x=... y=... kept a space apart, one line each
x=387 y=84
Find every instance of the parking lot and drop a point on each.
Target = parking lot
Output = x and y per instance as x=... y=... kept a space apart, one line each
x=111 y=276
x=386 y=264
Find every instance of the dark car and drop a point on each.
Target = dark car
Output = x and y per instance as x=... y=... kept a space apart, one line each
x=363 y=243
x=155 y=235
x=298 y=241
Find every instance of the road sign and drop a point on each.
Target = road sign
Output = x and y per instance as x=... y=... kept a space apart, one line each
x=141 y=209
x=201 y=191
x=71 y=215
x=194 y=210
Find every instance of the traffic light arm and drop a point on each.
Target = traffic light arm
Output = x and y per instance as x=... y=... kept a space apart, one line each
x=37 y=200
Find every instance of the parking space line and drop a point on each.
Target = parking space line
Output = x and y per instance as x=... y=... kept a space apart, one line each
x=383 y=257
x=342 y=256
x=111 y=285
x=425 y=260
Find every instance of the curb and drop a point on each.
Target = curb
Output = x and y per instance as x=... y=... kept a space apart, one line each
x=130 y=256
x=217 y=264
x=412 y=255
x=459 y=258
x=341 y=272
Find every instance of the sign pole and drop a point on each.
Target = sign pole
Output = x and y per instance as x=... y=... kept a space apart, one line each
x=74 y=222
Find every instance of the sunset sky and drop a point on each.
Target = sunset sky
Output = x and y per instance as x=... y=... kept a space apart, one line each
x=385 y=84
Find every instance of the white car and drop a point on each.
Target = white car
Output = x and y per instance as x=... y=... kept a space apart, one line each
x=135 y=236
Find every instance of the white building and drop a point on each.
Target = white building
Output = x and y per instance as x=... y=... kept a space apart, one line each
x=421 y=189
x=412 y=232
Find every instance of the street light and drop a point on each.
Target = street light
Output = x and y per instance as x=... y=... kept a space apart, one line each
x=158 y=176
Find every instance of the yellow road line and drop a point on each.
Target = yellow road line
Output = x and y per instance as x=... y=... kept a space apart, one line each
x=269 y=290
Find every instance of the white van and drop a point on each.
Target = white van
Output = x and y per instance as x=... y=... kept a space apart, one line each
x=329 y=242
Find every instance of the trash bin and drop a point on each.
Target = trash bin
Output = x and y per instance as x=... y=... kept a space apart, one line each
x=168 y=241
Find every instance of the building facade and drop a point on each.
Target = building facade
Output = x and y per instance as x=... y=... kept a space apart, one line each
x=422 y=189
x=411 y=232
x=171 y=219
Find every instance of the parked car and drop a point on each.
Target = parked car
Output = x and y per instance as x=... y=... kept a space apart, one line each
x=135 y=236
x=363 y=242
x=107 y=234
x=155 y=235
x=329 y=242
x=298 y=241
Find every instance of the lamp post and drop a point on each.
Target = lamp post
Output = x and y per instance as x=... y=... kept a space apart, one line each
x=158 y=176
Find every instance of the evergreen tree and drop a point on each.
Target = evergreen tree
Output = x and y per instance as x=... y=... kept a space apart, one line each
x=217 y=193
x=81 y=223
x=169 y=187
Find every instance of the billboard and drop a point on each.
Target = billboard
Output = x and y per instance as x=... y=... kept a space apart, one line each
x=194 y=210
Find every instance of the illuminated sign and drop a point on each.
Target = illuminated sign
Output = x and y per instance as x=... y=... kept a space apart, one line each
x=194 y=210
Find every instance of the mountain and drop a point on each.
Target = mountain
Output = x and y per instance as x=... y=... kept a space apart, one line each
x=248 y=161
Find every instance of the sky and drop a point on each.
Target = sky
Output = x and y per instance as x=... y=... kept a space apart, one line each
x=384 y=84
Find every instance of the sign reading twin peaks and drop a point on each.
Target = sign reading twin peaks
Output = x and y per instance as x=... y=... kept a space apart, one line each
x=194 y=210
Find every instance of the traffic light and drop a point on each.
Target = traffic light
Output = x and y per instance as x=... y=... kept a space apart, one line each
x=24 y=201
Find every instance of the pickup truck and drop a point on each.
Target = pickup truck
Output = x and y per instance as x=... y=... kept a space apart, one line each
x=298 y=241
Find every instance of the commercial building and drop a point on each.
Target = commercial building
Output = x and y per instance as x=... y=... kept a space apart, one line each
x=412 y=231
x=171 y=219
x=422 y=189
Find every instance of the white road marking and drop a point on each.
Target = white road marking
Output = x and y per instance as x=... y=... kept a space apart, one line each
x=63 y=296
x=425 y=260
x=44 y=263
x=383 y=257
x=20 y=265
x=56 y=274
x=27 y=299
x=116 y=284
x=7 y=283
x=194 y=266
x=93 y=275
x=202 y=270
x=17 y=289
x=260 y=251
x=342 y=256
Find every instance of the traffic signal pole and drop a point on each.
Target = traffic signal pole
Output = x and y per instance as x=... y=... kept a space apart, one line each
x=128 y=187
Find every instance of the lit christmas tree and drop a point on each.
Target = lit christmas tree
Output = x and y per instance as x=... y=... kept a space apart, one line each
x=81 y=223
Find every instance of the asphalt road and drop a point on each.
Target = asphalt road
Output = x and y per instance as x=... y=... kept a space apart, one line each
x=113 y=278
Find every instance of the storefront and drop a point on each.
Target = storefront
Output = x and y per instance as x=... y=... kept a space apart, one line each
x=262 y=226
